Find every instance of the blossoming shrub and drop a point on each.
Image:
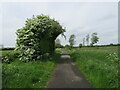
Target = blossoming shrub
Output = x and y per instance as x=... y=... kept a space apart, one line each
x=37 y=37
x=9 y=56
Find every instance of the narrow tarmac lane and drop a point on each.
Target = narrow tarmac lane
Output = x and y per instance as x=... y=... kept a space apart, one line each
x=67 y=75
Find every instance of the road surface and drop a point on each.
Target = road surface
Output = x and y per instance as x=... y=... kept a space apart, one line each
x=67 y=75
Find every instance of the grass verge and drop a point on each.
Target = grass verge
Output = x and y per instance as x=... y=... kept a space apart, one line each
x=34 y=74
x=100 y=68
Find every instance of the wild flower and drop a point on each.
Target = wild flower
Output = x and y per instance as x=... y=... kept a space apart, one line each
x=113 y=58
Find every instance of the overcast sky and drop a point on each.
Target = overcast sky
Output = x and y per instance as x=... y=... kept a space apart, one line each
x=79 y=18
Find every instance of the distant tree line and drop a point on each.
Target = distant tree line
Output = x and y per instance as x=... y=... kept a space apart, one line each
x=89 y=40
x=6 y=48
x=58 y=43
x=61 y=46
x=111 y=44
x=94 y=40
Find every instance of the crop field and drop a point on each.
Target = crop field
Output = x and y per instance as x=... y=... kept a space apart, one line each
x=98 y=64
x=34 y=74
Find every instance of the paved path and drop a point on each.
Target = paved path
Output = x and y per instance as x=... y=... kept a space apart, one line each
x=67 y=75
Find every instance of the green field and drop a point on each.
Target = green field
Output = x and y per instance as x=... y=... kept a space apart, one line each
x=3 y=53
x=34 y=74
x=103 y=49
x=98 y=64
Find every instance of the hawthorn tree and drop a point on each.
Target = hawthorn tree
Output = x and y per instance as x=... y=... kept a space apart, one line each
x=37 y=37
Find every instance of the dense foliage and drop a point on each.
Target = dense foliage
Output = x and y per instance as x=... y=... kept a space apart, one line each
x=9 y=56
x=37 y=37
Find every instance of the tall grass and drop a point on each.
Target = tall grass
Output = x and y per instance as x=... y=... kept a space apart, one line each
x=100 y=68
x=34 y=74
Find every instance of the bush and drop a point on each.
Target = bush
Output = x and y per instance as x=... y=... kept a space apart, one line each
x=37 y=37
x=10 y=57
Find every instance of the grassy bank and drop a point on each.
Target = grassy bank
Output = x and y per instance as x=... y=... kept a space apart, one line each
x=34 y=74
x=100 y=66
